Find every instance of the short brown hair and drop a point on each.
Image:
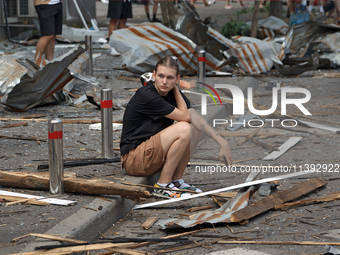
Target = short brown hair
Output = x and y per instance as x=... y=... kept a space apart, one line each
x=168 y=62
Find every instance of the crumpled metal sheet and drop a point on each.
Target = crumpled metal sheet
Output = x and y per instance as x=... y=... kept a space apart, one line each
x=257 y=56
x=299 y=67
x=330 y=42
x=51 y=78
x=273 y=25
x=204 y=37
x=141 y=46
x=187 y=7
x=305 y=33
x=10 y=74
x=221 y=215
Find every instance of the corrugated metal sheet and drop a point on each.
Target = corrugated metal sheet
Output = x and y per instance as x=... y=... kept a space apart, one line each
x=221 y=215
x=258 y=56
x=51 y=78
x=141 y=46
x=10 y=74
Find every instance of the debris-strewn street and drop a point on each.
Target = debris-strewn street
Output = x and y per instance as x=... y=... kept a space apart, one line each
x=294 y=215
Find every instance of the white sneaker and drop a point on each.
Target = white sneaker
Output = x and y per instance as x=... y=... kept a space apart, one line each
x=105 y=1
x=114 y=52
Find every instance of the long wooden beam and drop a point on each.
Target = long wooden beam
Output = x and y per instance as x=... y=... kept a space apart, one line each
x=24 y=180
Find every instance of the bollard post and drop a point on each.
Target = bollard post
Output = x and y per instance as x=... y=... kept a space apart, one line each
x=89 y=62
x=175 y=58
x=56 y=165
x=107 y=130
x=201 y=67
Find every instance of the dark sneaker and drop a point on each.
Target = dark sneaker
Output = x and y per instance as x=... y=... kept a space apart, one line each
x=154 y=19
x=168 y=193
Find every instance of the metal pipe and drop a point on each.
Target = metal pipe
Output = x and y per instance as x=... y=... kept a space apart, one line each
x=56 y=167
x=89 y=62
x=201 y=66
x=107 y=130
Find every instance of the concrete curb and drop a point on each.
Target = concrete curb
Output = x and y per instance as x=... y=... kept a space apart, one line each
x=87 y=224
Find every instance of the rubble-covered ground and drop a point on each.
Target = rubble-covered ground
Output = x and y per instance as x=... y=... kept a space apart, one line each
x=318 y=148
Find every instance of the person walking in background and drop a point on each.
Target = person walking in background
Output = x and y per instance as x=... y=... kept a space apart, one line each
x=154 y=10
x=118 y=12
x=228 y=6
x=168 y=13
x=50 y=14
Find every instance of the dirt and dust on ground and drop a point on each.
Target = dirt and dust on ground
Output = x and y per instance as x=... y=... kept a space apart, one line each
x=24 y=146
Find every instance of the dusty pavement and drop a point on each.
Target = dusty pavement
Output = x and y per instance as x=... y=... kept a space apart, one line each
x=318 y=148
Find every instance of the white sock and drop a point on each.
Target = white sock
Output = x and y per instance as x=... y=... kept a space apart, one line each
x=321 y=9
x=162 y=184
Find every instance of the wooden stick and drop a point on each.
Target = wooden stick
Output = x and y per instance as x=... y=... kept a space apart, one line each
x=280 y=243
x=51 y=237
x=80 y=248
x=183 y=247
x=15 y=125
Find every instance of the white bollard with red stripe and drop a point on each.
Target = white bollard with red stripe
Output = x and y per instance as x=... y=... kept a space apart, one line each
x=201 y=66
x=56 y=166
x=107 y=130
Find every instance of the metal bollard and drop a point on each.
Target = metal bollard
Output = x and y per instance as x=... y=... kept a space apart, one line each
x=89 y=62
x=56 y=166
x=175 y=58
x=107 y=130
x=201 y=66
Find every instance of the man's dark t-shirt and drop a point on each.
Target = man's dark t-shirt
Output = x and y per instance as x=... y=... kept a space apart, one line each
x=144 y=116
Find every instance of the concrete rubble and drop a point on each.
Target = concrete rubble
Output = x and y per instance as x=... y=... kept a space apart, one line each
x=294 y=215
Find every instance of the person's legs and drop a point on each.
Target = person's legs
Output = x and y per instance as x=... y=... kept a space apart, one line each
x=164 y=10
x=171 y=12
x=175 y=142
x=122 y=23
x=146 y=8
x=228 y=6
x=154 y=12
x=49 y=52
x=112 y=25
x=41 y=48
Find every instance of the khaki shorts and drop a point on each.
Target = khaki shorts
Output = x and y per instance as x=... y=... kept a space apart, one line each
x=148 y=158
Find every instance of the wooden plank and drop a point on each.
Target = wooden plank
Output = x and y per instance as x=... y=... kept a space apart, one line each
x=24 y=180
x=327 y=198
x=283 y=148
x=276 y=199
x=149 y=222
